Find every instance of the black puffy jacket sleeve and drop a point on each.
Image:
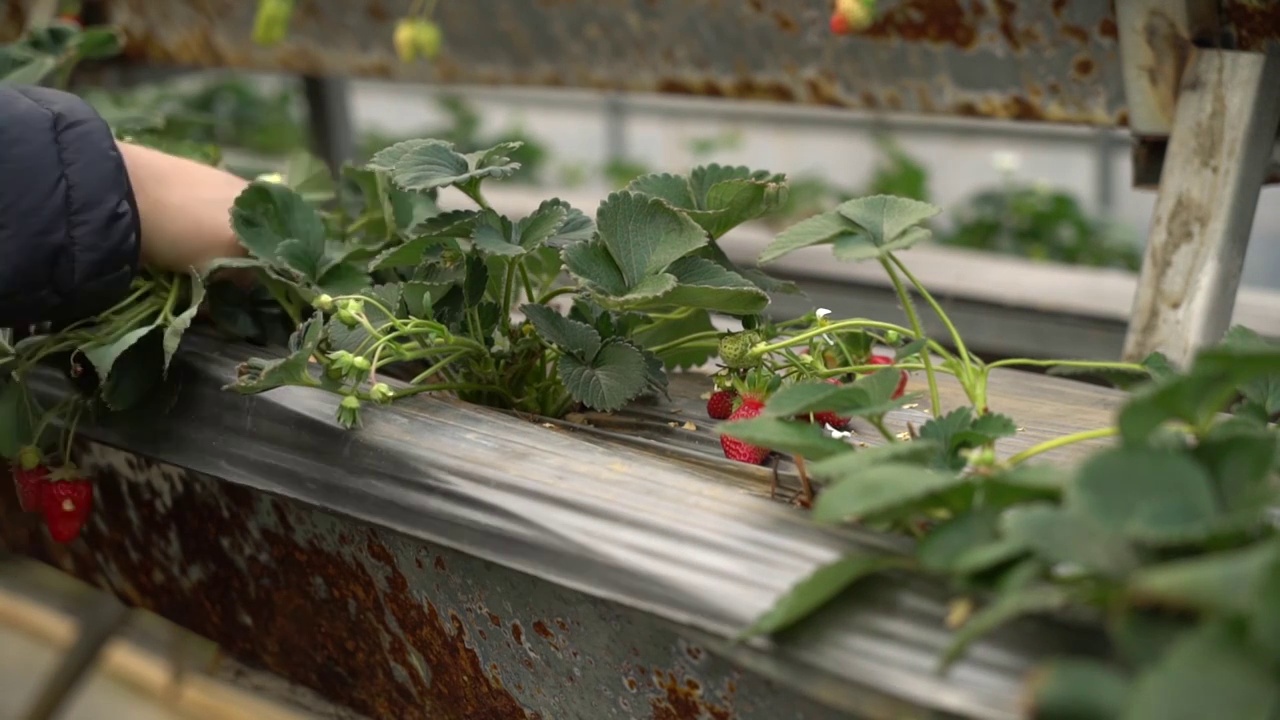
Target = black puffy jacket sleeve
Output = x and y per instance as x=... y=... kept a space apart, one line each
x=69 y=226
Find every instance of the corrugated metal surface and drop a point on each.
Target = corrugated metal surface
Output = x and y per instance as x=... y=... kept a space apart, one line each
x=450 y=560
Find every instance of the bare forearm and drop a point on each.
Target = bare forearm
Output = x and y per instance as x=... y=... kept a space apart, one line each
x=185 y=209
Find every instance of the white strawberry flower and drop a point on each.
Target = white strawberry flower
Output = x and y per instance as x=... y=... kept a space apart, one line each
x=1006 y=162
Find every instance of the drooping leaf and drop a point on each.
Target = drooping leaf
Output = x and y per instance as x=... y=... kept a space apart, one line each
x=1145 y=495
x=1212 y=672
x=182 y=322
x=257 y=375
x=615 y=376
x=1059 y=536
x=103 y=356
x=576 y=338
x=794 y=438
x=136 y=372
x=819 y=588
x=879 y=489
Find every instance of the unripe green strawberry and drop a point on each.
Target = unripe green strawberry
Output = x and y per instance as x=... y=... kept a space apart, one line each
x=735 y=349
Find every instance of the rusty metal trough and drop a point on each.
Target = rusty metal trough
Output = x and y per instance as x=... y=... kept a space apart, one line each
x=448 y=561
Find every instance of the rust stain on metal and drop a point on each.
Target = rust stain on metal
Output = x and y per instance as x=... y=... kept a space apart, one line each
x=1107 y=28
x=356 y=633
x=439 y=564
x=1256 y=22
x=517 y=633
x=541 y=630
x=684 y=699
x=941 y=22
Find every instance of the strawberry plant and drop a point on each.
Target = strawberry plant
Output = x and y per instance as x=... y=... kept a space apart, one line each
x=1166 y=536
x=391 y=285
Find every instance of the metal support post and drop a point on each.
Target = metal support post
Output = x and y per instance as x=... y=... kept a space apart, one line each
x=332 y=138
x=1224 y=130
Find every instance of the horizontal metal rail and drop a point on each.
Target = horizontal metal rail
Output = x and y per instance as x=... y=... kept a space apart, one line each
x=1055 y=61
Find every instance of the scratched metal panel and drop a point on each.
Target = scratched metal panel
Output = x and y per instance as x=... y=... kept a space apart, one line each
x=366 y=565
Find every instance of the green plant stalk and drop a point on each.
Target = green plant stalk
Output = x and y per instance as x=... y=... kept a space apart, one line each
x=508 y=289
x=913 y=317
x=1082 y=364
x=435 y=369
x=447 y=387
x=963 y=351
x=1061 y=442
x=686 y=340
x=835 y=327
x=553 y=294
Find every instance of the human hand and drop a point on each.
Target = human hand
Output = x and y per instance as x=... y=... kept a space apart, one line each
x=185 y=209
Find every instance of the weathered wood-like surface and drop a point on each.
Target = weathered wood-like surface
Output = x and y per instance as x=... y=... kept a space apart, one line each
x=1219 y=151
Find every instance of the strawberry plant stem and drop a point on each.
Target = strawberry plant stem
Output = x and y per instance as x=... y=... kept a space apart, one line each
x=918 y=330
x=438 y=367
x=963 y=351
x=1061 y=442
x=686 y=340
x=1081 y=364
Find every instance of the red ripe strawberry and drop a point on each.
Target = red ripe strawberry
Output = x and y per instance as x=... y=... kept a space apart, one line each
x=840 y=23
x=736 y=449
x=827 y=417
x=66 y=505
x=720 y=405
x=902 y=382
x=30 y=484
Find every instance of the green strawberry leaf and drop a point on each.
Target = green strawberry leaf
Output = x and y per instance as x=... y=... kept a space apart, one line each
x=1221 y=582
x=1211 y=672
x=182 y=322
x=818 y=230
x=817 y=590
x=1145 y=495
x=1058 y=536
x=1263 y=389
x=644 y=235
x=615 y=376
x=1207 y=388
x=916 y=452
x=576 y=338
x=703 y=284
x=887 y=487
x=278 y=226
x=257 y=375
x=793 y=438
x=1031 y=600
x=135 y=373
x=425 y=165
x=718 y=198
x=1079 y=690
x=104 y=356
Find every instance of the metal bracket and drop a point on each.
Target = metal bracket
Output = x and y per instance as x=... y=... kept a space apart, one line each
x=1218 y=154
